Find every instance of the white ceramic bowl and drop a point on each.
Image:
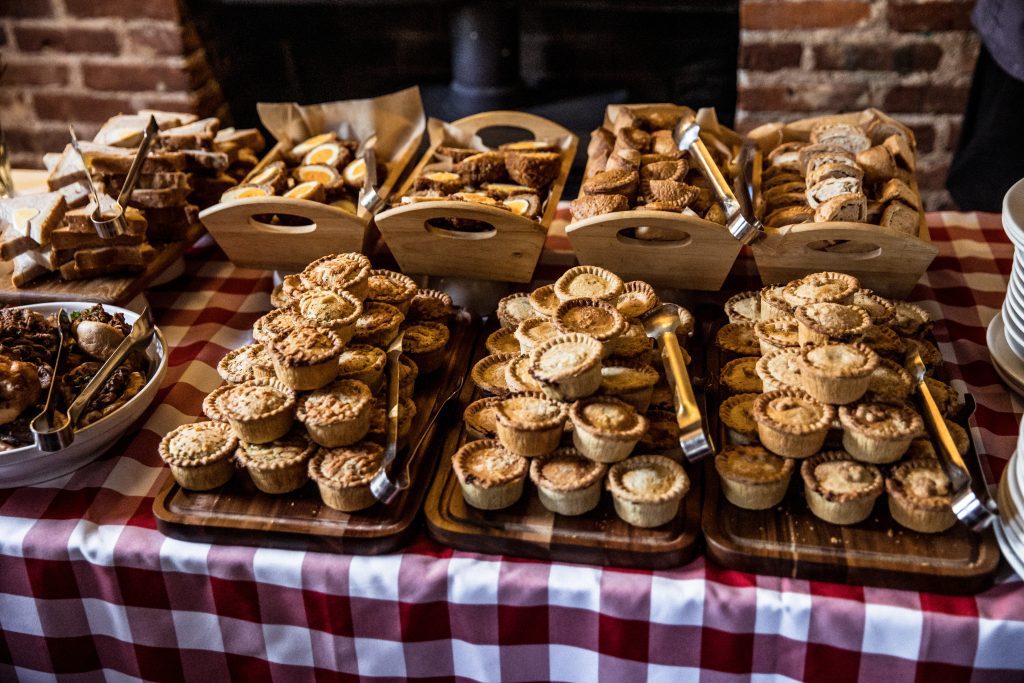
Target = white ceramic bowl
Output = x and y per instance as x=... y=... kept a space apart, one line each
x=28 y=465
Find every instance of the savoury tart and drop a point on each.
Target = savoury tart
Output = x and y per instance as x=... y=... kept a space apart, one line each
x=738 y=339
x=605 y=429
x=530 y=424
x=739 y=376
x=480 y=418
x=488 y=374
x=544 y=300
x=532 y=332
x=744 y=307
x=879 y=433
x=840 y=489
x=880 y=309
x=210 y=408
x=737 y=414
x=636 y=299
x=837 y=373
x=598 y=319
x=514 y=309
x=630 y=382
x=425 y=342
x=662 y=435
x=362 y=363
x=408 y=371
x=920 y=496
x=569 y=366
x=647 y=489
x=883 y=341
x=305 y=358
x=945 y=396
x=334 y=311
x=200 y=454
x=518 y=377
x=430 y=304
x=929 y=353
x=343 y=475
x=277 y=321
x=632 y=343
x=777 y=334
x=820 y=323
x=242 y=364
x=379 y=414
x=890 y=382
x=378 y=325
x=491 y=477
x=277 y=466
x=773 y=304
x=826 y=287
x=588 y=282
x=779 y=370
x=502 y=340
x=910 y=320
x=338 y=414
x=339 y=273
x=567 y=483
x=258 y=410
x=791 y=423
x=752 y=478
x=389 y=287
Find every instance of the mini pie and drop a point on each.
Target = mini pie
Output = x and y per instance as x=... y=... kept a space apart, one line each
x=632 y=383
x=662 y=435
x=605 y=429
x=532 y=332
x=910 y=320
x=258 y=410
x=480 y=418
x=791 y=423
x=430 y=304
x=407 y=374
x=739 y=376
x=514 y=309
x=737 y=414
x=961 y=439
x=378 y=417
x=598 y=319
x=820 y=323
x=647 y=489
x=632 y=343
x=362 y=363
x=744 y=307
x=637 y=298
x=930 y=354
x=738 y=338
x=920 y=496
x=879 y=433
x=305 y=358
x=588 y=282
x=889 y=382
x=425 y=343
x=883 y=341
x=334 y=311
x=530 y=424
x=378 y=325
x=491 y=477
x=827 y=287
x=199 y=454
x=779 y=370
x=338 y=273
x=502 y=340
x=240 y=365
x=278 y=466
x=544 y=300
x=389 y=287
x=338 y=414
x=839 y=489
x=945 y=396
x=276 y=322
x=567 y=483
x=489 y=373
x=343 y=475
x=210 y=408
x=569 y=366
x=880 y=309
x=289 y=291
x=773 y=305
x=752 y=478
x=837 y=373
x=518 y=377
x=777 y=334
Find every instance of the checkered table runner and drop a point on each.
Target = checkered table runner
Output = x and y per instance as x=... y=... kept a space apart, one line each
x=89 y=588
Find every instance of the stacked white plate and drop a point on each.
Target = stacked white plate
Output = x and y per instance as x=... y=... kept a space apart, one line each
x=1010 y=527
x=1006 y=332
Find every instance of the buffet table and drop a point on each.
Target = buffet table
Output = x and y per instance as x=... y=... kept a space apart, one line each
x=88 y=583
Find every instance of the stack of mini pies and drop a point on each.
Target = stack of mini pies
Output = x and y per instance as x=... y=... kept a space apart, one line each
x=575 y=389
x=306 y=400
x=814 y=373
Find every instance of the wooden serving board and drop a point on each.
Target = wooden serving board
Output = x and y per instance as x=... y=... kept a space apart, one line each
x=788 y=540
x=529 y=529
x=104 y=290
x=238 y=513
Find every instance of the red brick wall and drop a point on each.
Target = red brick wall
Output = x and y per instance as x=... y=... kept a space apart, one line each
x=83 y=61
x=911 y=58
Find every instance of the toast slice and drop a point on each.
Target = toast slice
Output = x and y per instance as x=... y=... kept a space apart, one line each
x=250 y=138
x=159 y=199
x=195 y=135
x=66 y=238
x=171 y=224
x=80 y=219
x=33 y=216
x=126 y=130
x=153 y=181
x=32 y=265
x=75 y=194
x=67 y=169
x=109 y=160
x=90 y=263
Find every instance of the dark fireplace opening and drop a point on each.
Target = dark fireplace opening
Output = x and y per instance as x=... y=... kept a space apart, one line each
x=561 y=59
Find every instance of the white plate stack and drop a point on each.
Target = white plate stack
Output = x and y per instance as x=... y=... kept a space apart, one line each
x=1010 y=496
x=1006 y=331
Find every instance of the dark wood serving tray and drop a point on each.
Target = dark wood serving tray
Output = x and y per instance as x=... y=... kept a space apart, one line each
x=238 y=513
x=788 y=540
x=528 y=529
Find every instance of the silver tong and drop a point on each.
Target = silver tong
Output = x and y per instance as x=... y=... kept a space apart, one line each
x=967 y=507
x=110 y=221
x=661 y=324
x=687 y=137
x=369 y=198
x=55 y=434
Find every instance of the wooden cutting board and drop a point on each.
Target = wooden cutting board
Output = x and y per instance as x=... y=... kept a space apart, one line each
x=528 y=529
x=238 y=513
x=788 y=540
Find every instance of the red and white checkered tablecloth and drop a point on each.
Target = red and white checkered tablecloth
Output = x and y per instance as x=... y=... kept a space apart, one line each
x=89 y=587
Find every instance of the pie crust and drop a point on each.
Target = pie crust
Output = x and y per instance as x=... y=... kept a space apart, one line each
x=430 y=304
x=883 y=341
x=880 y=309
x=339 y=272
x=305 y=358
x=569 y=366
x=780 y=370
x=777 y=334
x=598 y=319
x=532 y=332
x=378 y=325
x=481 y=419
x=199 y=454
x=930 y=354
x=945 y=396
x=738 y=338
x=588 y=282
x=605 y=429
x=240 y=365
x=408 y=371
x=632 y=383
x=744 y=307
x=773 y=304
x=791 y=423
x=840 y=489
x=258 y=410
x=278 y=466
x=210 y=408
x=277 y=321
x=961 y=439
x=518 y=377
x=489 y=373
x=910 y=320
x=338 y=414
x=530 y=424
x=632 y=343
x=425 y=343
x=502 y=340
x=637 y=298
x=491 y=477
x=737 y=414
x=362 y=363
x=647 y=489
x=544 y=300
x=837 y=373
x=920 y=497
x=753 y=478
x=567 y=483
x=343 y=475
x=389 y=287
x=662 y=435
x=879 y=433
x=821 y=323
x=826 y=287
x=889 y=382
x=334 y=311
x=514 y=309
x=739 y=376
x=378 y=416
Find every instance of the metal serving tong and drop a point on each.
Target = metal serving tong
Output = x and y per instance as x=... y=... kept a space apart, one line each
x=968 y=508
x=369 y=198
x=661 y=324
x=687 y=137
x=45 y=422
x=110 y=221
x=54 y=435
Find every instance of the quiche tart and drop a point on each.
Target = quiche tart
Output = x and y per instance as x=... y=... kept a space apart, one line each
x=596 y=318
x=334 y=311
x=278 y=466
x=569 y=366
x=632 y=383
x=364 y=364
x=338 y=414
x=258 y=410
x=544 y=300
x=779 y=370
x=378 y=325
x=837 y=373
x=491 y=477
x=647 y=489
x=532 y=332
x=920 y=496
x=744 y=307
x=588 y=282
x=879 y=433
x=339 y=273
x=738 y=339
x=838 y=488
x=737 y=414
x=514 y=309
x=605 y=429
x=773 y=304
x=425 y=342
x=430 y=304
x=305 y=358
x=567 y=483
x=827 y=287
x=200 y=454
x=489 y=373
x=530 y=424
x=502 y=340
x=518 y=377
x=820 y=323
x=753 y=478
x=739 y=376
x=343 y=475
x=389 y=287
x=777 y=334
x=791 y=423
x=480 y=418
x=637 y=298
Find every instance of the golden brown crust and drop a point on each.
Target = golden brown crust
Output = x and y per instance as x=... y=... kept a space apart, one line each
x=565 y=470
x=838 y=360
x=879 y=308
x=481 y=416
x=752 y=464
x=590 y=205
x=803 y=414
x=535 y=331
x=744 y=307
x=588 y=282
x=390 y=287
x=608 y=418
x=910 y=320
x=518 y=377
x=514 y=309
x=378 y=321
x=424 y=337
x=502 y=340
x=620 y=377
x=337 y=272
x=292 y=448
x=489 y=373
x=637 y=298
x=920 y=483
x=667 y=479
x=360 y=358
x=883 y=421
x=238 y=366
x=564 y=357
x=304 y=346
x=544 y=300
x=738 y=338
x=485 y=463
x=430 y=304
x=837 y=321
x=599 y=319
x=210 y=408
x=276 y=322
x=346 y=466
x=825 y=287
x=342 y=400
x=737 y=413
x=530 y=411
x=324 y=308
x=198 y=443
x=867 y=478
x=255 y=400
x=778 y=333
x=740 y=375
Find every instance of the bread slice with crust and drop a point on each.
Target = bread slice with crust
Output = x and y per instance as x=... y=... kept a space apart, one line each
x=901 y=217
x=851 y=206
x=849 y=136
x=828 y=188
x=33 y=216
